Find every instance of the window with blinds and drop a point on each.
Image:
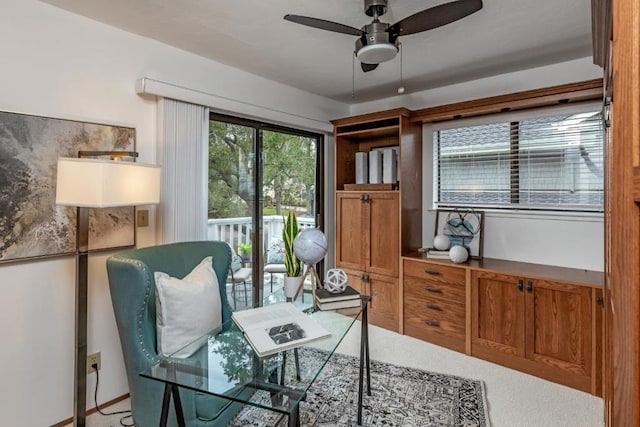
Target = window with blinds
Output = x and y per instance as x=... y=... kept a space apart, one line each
x=546 y=163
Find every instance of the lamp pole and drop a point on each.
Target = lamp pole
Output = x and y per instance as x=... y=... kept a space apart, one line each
x=82 y=270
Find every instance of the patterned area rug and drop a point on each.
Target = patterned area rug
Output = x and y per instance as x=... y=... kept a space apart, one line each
x=400 y=397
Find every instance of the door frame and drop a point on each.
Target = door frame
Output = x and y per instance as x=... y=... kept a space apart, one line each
x=256 y=217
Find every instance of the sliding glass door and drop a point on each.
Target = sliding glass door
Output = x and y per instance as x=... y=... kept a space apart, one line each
x=257 y=174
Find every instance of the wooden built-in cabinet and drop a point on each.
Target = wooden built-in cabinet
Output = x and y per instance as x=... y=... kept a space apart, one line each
x=543 y=327
x=367 y=232
x=542 y=320
x=375 y=224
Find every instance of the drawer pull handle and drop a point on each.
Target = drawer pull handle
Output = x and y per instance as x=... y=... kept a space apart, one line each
x=434 y=290
x=432 y=323
x=520 y=285
x=529 y=286
x=434 y=307
x=432 y=272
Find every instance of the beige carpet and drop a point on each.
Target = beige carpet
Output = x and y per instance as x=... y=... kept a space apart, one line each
x=515 y=399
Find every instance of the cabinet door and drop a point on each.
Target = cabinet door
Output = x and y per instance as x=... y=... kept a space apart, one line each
x=558 y=319
x=350 y=231
x=497 y=314
x=383 y=308
x=354 y=279
x=382 y=219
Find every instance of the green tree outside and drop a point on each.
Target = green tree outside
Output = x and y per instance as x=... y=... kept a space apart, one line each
x=288 y=171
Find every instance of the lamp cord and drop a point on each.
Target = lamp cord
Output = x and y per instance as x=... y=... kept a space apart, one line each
x=95 y=399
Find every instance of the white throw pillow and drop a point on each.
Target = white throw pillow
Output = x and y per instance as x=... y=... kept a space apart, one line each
x=186 y=308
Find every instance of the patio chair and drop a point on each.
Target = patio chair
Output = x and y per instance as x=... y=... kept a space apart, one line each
x=275 y=259
x=238 y=276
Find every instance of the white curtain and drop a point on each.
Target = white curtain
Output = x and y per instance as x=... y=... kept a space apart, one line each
x=183 y=133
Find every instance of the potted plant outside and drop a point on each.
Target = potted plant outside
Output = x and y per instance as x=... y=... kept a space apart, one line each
x=245 y=250
x=291 y=262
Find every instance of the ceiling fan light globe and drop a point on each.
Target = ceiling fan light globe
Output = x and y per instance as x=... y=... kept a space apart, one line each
x=377 y=53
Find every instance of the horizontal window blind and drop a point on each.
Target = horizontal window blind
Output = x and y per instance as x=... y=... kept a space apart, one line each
x=552 y=162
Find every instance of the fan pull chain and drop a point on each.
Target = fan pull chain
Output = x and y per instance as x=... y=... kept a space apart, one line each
x=401 y=88
x=353 y=77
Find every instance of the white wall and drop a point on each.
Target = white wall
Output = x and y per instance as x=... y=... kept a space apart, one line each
x=575 y=241
x=57 y=64
x=518 y=81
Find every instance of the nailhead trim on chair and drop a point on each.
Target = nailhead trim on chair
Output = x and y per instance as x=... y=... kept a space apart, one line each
x=142 y=310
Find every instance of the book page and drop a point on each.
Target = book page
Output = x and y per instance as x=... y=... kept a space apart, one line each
x=277 y=328
x=259 y=316
x=284 y=334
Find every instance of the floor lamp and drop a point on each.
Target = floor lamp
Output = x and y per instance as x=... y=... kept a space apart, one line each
x=96 y=179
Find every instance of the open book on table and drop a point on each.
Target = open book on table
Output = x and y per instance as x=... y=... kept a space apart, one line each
x=279 y=327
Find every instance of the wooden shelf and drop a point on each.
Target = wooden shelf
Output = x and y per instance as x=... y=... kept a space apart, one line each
x=382 y=132
x=370 y=187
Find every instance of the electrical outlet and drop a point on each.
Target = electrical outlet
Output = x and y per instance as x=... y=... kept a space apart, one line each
x=93 y=359
x=142 y=217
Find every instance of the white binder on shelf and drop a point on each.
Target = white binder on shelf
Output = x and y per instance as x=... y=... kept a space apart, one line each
x=375 y=167
x=389 y=166
x=362 y=169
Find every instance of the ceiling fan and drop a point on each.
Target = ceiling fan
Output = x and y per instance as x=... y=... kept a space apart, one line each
x=379 y=41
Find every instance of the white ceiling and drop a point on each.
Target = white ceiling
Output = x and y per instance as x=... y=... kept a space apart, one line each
x=504 y=36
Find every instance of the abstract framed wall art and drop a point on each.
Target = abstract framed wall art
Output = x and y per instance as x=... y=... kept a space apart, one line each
x=31 y=225
x=463 y=227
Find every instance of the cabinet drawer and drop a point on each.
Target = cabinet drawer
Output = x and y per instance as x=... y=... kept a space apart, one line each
x=427 y=289
x=436 y=314
x=446 y=322
x=435 y=272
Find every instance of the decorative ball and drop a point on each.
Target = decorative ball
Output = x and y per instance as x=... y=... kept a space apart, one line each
x=336 y=281
x=310 y=245
x=458 y=254
x=441 y=242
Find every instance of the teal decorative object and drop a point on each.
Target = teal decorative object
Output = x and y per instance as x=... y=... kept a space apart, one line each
x=461 y=228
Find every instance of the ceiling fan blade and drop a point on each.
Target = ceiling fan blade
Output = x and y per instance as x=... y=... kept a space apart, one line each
x=368 y=67
x=435 y=17
x=324 y=25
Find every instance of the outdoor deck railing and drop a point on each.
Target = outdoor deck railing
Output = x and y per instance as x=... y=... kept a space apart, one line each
x=238 y=230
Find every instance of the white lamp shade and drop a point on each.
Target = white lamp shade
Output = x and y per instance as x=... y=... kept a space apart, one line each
x=97 y=183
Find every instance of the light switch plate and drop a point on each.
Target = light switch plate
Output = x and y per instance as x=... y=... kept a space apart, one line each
x=142 y=218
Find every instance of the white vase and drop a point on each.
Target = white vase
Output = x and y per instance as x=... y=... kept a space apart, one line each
x=291 y=286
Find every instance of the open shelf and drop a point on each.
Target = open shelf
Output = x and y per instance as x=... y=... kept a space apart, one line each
x=384 y=132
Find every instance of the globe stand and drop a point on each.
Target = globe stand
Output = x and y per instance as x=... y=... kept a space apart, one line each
x=310 y=268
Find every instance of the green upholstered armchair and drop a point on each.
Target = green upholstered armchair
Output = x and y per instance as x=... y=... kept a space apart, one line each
x=132 y=285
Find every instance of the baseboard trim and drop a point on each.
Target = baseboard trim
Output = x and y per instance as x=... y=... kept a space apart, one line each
x=93 y=410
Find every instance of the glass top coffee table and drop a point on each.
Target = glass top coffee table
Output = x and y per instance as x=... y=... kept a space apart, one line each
x=221 y=363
